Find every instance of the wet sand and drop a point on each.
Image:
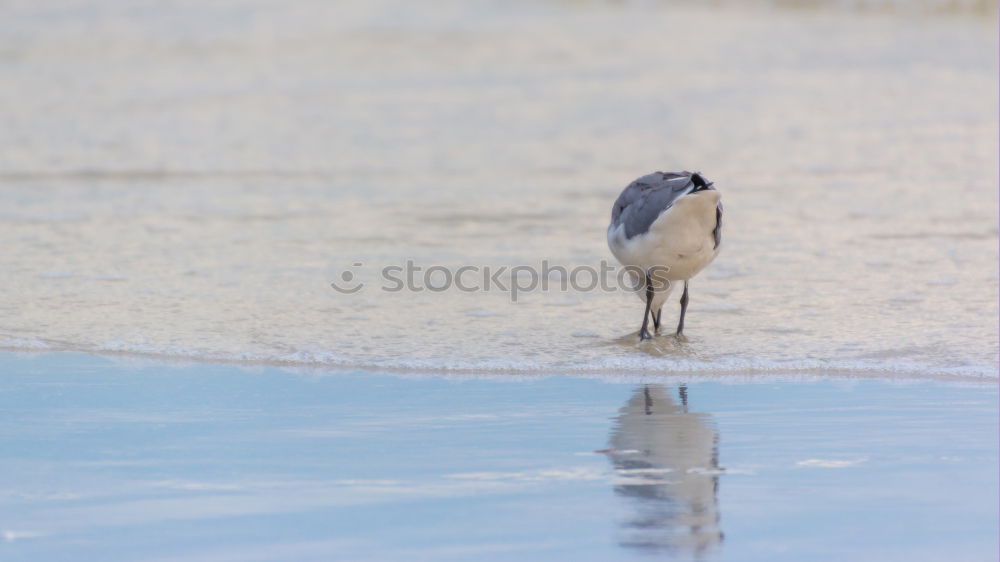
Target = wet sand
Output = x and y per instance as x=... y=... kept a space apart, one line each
x=137 y=460
x=189 y=180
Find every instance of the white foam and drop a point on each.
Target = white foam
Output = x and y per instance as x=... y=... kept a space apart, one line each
x=830 y=463
x=615 y=366
x=11 y=535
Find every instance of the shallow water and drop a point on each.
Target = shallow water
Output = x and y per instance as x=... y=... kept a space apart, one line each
x=134 y=460
x=188 y=181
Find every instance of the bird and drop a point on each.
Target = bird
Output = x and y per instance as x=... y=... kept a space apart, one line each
x=665 y=228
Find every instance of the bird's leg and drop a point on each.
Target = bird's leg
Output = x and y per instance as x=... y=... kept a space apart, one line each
x=656 y=320
x=684 y=307
x=644 y=332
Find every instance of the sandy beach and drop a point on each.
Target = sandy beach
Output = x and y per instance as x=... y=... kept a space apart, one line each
x=195 y=194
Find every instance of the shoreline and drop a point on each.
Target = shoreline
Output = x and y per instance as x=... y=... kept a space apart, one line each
x=734 y=374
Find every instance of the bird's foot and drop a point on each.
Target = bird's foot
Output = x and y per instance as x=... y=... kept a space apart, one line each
x=644 y=335
x=680 y=336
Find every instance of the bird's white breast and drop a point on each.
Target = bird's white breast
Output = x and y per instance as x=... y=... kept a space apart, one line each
x=680 y=239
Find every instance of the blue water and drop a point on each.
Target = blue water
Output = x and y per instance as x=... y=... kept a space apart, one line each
x=110 y=460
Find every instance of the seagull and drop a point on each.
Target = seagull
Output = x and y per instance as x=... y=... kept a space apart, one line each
x=665 y=228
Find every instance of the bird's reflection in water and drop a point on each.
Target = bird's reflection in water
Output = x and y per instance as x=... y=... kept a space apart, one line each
x=667 y=465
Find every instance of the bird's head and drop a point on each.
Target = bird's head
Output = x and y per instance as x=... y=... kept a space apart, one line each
x=700 y=183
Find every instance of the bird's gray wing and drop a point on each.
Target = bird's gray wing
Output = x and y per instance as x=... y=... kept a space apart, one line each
x=646 y=198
